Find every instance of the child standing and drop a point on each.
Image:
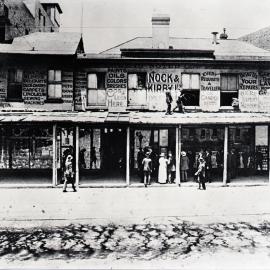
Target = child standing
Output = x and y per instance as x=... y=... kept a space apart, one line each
x=147 y=169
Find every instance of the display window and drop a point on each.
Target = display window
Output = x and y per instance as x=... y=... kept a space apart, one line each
x=26 y=148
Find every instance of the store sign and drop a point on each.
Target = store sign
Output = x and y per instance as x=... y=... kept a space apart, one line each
x=163 y=81
x=34 y=87
x=264 y=92
x=210 y=91
x=116 y=90
x=158 y=82
x=248 y=91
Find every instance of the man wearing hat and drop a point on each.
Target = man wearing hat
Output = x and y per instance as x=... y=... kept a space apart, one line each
x=147 y=169
x=201 y=173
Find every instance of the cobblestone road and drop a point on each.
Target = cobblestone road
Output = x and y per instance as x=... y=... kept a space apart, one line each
x=144 y=242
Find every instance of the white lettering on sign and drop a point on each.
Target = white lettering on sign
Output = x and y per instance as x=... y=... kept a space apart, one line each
x=116 y=89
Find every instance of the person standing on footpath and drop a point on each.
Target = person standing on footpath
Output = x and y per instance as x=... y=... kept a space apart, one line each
x=184 y=166
x=147 y=169
x=201 y=173
x=162 y=170
x=171 y=169
x=69 y=175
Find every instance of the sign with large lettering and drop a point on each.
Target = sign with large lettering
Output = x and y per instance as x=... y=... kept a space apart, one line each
x=163 y=81
x=34 y=87
x=158 y=82
x=210 y=91
x=116 y=90
x=264 y=92
x=248 y=91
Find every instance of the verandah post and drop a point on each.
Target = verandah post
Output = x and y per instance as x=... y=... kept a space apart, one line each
x=128 y=157
x=77 y=149
x=268 y=154
x=54 y=168
x=177 y=154
x=225 y=158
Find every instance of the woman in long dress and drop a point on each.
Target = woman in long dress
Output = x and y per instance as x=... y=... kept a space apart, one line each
x=162 y=170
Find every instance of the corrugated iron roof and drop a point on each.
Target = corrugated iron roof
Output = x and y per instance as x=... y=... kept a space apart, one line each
x=57 y=43
x=225 y=49
x=136 y=118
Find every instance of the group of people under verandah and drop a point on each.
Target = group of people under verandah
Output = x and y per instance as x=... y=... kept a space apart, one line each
x=164 y=168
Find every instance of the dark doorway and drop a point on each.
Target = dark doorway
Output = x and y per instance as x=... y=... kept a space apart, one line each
x=114 y=149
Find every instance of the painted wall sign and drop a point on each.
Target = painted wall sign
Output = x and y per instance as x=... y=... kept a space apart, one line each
x=264 y=92
x=248 y=91
x=67 y=87
x=80 y=90
x=163 y=81
x=158 y=82
x=34 y=89
x=210 y=91
x=116 y=89
x=248 y=100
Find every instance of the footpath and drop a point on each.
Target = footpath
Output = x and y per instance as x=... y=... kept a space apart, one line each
x=50 y=206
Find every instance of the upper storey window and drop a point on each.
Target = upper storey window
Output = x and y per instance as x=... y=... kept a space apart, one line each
x=15 y=79
x=54 y=84
x=229 y=89
x=136 y=80
x=191 y=89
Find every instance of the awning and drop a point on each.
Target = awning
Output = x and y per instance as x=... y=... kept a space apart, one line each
x=134 y=118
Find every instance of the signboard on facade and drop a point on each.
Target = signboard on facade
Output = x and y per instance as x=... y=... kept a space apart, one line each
x=116 y=90
x=210 y=91
x=158 y=82
x=248 y=91
x=264 y=92
x=34 y=87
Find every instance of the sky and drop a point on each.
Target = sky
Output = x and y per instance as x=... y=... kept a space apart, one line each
x=107 y=23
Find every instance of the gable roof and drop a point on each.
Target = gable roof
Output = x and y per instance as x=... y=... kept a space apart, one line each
x=226 y=49
x=260 y=38
x=57 y=43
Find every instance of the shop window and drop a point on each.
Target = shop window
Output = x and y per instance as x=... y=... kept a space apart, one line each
x=96 y=83
x=136 y=80
x=229 y=89
x=191 y=89
x=54 y=84
x=14 y=91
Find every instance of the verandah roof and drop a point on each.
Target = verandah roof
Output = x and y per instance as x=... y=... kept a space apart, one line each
x=135 y=118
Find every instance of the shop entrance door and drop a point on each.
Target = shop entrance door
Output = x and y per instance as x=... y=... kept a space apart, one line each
x=65 y=146
x=114 y=150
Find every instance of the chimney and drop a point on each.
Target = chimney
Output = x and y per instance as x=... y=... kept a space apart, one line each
x=160 y=31
x=214 y=38
x=224 y=34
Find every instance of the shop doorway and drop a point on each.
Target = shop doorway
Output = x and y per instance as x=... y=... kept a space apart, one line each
x=208 y=141
x=65 y=146
x=156 y=141
x=102 y=155
x=248 y=154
